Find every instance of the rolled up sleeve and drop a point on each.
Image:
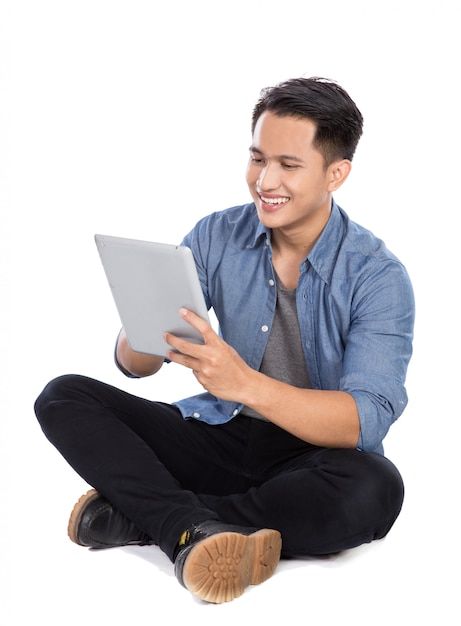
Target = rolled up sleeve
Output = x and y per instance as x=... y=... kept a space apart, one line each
x=378 y=350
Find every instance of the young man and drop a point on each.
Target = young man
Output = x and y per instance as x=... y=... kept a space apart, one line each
x=282 y=454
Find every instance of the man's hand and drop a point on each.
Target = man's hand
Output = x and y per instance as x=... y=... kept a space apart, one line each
x=321 y=417
x=215 y=364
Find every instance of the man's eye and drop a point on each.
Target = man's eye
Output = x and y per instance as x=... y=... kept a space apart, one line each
x=256 y=160
x=289 y=166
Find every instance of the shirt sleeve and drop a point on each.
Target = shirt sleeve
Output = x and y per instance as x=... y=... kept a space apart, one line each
x=378 y=350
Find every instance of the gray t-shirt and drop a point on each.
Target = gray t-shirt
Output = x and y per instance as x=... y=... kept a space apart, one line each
x=284 y=358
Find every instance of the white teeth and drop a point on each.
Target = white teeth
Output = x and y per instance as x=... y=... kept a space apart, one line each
x=274 y=200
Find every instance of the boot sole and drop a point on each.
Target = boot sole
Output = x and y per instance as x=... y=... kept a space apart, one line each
x=77 y=512
x=220 y=567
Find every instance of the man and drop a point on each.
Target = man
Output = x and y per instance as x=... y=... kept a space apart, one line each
x=282 y=453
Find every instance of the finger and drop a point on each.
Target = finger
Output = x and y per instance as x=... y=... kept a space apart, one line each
x=197 y=322
x=181 y=359
x=181 y=345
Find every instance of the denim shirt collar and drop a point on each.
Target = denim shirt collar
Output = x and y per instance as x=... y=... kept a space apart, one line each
x=323 y=255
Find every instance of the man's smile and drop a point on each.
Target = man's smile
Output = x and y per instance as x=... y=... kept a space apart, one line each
x=273 y=201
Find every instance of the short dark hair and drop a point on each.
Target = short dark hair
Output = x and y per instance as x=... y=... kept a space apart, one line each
x=338 y=120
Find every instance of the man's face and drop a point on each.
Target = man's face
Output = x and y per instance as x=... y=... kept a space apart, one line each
x=286 y=175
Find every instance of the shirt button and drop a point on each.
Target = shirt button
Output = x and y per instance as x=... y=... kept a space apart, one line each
x=271 y=282
x=235 y=412
x=264 y=328
x=195 y=414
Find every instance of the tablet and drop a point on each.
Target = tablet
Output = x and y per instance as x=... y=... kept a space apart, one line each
x=150 y=282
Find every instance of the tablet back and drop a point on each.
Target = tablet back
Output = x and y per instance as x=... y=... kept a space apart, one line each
x=150 y=282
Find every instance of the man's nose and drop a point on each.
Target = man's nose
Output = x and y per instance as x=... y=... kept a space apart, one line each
x=268 y=178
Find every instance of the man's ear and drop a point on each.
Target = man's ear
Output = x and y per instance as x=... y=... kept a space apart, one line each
x=337 y=173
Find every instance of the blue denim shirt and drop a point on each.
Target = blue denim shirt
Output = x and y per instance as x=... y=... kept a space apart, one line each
x=355 y=308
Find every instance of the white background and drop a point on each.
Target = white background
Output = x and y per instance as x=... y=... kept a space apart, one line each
x=133 y=118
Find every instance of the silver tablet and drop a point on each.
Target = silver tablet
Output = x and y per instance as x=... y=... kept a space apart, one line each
x=150 y=282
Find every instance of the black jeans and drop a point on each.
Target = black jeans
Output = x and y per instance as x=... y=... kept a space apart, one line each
x=165 y=473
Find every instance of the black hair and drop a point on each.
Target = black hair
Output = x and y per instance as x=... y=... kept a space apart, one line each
x=338 y=120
